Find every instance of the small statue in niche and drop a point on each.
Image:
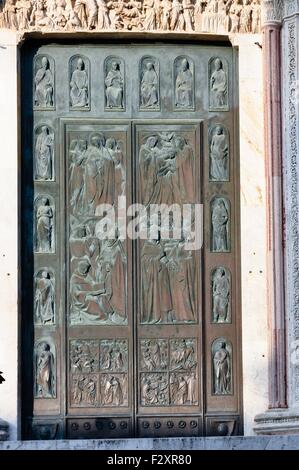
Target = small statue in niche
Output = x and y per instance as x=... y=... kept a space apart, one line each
x=44 y=85
x=44 y=154
x=218 y=86
x=114 y=83
x=150 y=87
x=219 y=155
x=184 y=86
x=221 y=296
x=44 y=299
x=45 y=371
x=222 y=372
x=220 y=219
x=79 y=92
x=44 y=226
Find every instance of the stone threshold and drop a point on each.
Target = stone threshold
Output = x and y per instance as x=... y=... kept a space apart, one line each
x=277 y=442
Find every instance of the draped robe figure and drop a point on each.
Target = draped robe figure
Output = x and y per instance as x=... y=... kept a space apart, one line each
x=184 y=86
x=77 y=168
x=44 y=299
x=79 y=86
x=43 y=155
x=218 y=86
x=45 y=372
x=149 y=87
x=44 y=226
x=221 y=291
x=219 y=156
x=147 y=165
x=114 y=87
x=44 y=85
x=221 y=370
x=219 y=224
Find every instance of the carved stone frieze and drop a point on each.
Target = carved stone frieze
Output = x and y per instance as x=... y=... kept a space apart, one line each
x=222 y=16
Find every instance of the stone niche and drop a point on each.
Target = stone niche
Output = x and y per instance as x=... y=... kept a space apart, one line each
x=186 y=16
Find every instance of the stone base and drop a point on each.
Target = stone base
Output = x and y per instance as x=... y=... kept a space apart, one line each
x=169 y=444
x=4 y=433
x=277 y=422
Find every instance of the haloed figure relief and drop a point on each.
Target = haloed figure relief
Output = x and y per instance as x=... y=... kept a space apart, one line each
x=182 y=354
x=220 y=215
x=183 y=389
x=84 y=356
x=43 y=82
x=114 y=355
x=154 y=389
x=149 y=84
x=114 y=83
x=166 y=162
x=219 y=154
x=218 y=84
x=84 y=390
x=44 y=298
x=184 y=83
x=222 y=365
x=168 y=282
x=43 y=153
x=44 y=225
x=79 y=82
x=45 y=370
x=96 y=172
x=221 y=303
x=99 y=278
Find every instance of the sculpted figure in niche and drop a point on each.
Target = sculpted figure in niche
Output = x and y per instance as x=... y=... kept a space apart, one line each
x=221 y=296
x=44 y=299
x=44 y=85
x=112 y=393
x=114 y=83
x=222 y=373
x=149 y=87
x=44 y=226
x=44 y=154
x=77 y=169
x=184 y=86
x=220 y=219
x=79 y=92
x=219 y=169
x=45 y=371
x=218 y=86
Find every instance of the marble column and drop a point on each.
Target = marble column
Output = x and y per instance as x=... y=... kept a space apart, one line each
x=281 y=52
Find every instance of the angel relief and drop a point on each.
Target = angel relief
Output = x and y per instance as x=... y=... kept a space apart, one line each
x=98 y=280
x=166 y=162
x=96 y=172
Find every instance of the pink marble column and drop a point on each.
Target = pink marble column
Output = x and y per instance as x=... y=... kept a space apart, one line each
x=273 y=154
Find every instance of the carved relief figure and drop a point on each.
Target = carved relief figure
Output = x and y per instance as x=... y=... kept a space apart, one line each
x=154 y=390
x=219 y=154
x=221 y=296
x=218 y=85
x=216 y=16
x=79 y=83
x=44 y=299
x=221 y=351
x=44 y=83
x=84 y=356
x=182 y=354
x=166 y=165
x=77 y=158
x=149 y=86
x=44 y=142
x=114 y=390
x=154 y=354
x=115 y=149
x=84 y=390
x=220 y=225
x=183 y=389
x=114 y=82
x=184 y=86
x=44 y=233
x=114 y=355
x=45 y=370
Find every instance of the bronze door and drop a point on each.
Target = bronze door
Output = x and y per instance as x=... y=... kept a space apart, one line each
x=129 y=336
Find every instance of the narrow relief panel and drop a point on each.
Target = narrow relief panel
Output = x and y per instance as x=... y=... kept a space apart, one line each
x=44 y=297
x=79 y=78
x=222 y=367
x=149 y=77
x=218 y=84
x=219 y=153
x=44 y=153
x=221 y=295
x=114 y=69
x=45 y=369
x=183 y=70
x=44 y=224
x=97 y=178
x=44 y=82
x=220 y=225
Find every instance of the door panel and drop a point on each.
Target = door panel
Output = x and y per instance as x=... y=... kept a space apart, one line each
x=129 y=336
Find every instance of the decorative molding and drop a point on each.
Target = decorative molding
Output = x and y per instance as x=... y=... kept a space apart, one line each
x=290 y=7
x=179 y=16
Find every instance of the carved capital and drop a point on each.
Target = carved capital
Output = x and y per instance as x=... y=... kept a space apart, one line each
x=272 y=11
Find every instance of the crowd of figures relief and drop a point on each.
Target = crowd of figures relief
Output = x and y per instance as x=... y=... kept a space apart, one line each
x=218 y=16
